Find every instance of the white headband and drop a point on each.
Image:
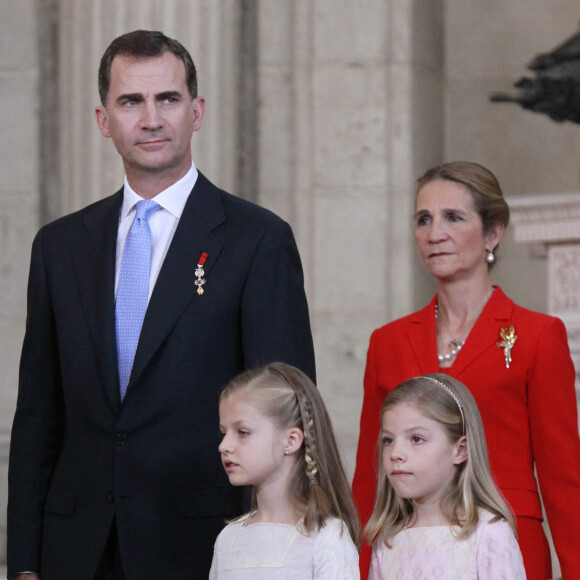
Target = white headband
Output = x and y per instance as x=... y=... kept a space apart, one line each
x=451 y=393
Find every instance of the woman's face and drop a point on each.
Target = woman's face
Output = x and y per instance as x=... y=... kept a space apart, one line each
x=449 y=232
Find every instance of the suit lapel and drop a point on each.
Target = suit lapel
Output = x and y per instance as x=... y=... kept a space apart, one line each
x=175 y=286
x=485 y=333
x=94 y=259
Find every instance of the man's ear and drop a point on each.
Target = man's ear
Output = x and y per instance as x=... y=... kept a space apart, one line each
x=198 y=110
x=460 y=453
x=102 y=120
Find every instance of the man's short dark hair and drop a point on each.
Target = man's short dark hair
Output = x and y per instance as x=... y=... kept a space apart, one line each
x=144 y=44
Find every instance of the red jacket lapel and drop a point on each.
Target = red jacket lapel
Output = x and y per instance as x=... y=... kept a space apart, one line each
x=485 y=333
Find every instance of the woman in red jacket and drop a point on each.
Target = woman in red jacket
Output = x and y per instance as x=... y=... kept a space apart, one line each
x=515 y=362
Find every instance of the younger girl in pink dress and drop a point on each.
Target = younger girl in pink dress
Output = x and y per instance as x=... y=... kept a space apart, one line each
x=438 y=513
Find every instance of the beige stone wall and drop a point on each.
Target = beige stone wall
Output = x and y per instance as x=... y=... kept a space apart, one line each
x=18 y=201
x=355 y=99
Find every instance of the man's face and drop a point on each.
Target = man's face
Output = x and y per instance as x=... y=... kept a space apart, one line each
x=150 y=116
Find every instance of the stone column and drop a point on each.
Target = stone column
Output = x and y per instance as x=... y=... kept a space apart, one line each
x=350 y=113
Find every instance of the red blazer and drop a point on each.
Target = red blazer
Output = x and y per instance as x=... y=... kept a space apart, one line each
x=529 y=410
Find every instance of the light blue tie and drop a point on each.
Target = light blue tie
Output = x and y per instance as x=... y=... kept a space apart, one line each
x=133 y=289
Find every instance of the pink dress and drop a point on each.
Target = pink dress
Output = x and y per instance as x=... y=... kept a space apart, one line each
x=433 y=553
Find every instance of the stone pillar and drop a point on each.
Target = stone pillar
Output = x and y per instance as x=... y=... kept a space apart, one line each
x=350 y=113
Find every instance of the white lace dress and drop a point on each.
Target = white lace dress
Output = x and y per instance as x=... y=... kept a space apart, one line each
x=263 y=551
x=433 y=553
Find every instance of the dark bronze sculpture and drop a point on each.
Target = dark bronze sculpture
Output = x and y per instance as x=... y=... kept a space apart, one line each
x=555 y=90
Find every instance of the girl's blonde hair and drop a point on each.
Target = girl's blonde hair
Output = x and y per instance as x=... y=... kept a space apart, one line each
x=319 y=483
x=449 y=402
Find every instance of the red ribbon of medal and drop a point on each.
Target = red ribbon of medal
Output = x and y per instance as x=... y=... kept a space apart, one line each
x=199 y=273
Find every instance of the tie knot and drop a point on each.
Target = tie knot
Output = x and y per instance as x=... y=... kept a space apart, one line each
x=146 y=208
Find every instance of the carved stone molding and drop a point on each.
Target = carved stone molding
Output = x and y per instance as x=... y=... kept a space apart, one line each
x=564 y=291
x=551 y=224
x=546 y=219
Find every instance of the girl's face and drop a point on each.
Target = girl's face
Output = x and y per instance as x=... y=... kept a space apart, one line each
x=449 y=231
x=252 y=446
x=418 y=457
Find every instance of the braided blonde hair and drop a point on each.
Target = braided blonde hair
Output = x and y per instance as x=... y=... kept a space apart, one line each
x=318 y=485
x=310 y=451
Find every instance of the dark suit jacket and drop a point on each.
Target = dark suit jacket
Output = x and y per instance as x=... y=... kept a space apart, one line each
x=528 y=410
x=80 y=457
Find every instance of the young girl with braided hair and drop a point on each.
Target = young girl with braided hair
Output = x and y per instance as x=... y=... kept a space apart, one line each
x=277 y=437
x=438 y=513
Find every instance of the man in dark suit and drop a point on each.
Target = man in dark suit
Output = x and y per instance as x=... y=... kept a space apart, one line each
x=114 y=465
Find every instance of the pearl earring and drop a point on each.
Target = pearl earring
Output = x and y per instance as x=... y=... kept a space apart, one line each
x=490 y=258
x=286 y=452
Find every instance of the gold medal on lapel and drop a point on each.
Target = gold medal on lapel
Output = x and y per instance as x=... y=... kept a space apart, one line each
x=199 y=273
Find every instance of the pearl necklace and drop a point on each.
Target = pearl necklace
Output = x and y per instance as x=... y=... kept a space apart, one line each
x=455 y=345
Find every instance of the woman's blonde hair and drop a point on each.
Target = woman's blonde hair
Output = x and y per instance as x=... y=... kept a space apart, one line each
x=481 y=183
x=449 y=402
x=319 y=483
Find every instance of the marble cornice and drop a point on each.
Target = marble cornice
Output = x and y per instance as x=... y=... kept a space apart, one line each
x=547 y=218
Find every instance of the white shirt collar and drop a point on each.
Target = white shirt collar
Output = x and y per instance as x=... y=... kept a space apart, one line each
x=172 y=199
